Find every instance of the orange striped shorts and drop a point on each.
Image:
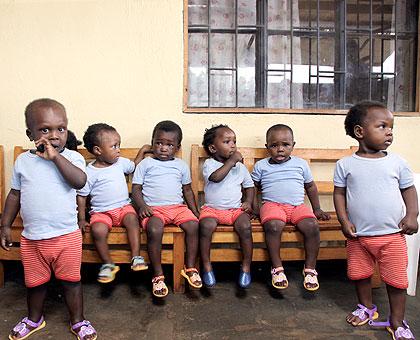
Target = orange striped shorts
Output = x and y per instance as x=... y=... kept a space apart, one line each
x=222 y=216
x=112 y=217
x=389 y=251
x=176 y=214
x=284 y=212
x=61 y=254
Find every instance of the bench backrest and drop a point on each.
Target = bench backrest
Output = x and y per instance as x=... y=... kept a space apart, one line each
x=129 y=153
x=2 y=187
x=252 y=155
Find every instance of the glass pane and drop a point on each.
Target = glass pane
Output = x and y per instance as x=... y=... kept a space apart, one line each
x=246 y=12
x=222 y=14
x=405 y=80
x=278 y=89
x=279 y=14
x=222 y=50
x=307 y=10
x=246 y=70
x=326 y=93
x=327 y=12
x=197 y=70
x=197 y=12
x=406 y=15
x=309 y=94
x=383 y=56
x=358 y=14
x=383 y=16
x=222 y=89
x=278 y=52
x=327 y=52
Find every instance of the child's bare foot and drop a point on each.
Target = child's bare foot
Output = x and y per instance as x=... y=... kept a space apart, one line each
x=362 y=315
x=278 y=278
x=159 y=288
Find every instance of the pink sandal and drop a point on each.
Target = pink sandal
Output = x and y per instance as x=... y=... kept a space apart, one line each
x=365 y=314
x=403 y=331
x=85 y=330
x=26 y=328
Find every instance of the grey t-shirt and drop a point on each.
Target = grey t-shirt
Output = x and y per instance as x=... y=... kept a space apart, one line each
x=284 y=182
x=47 y=202
x=226 y=194
x=374 y=201
x=162 y=181
x=107 y=187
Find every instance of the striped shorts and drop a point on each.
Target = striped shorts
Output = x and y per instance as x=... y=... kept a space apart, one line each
x=176 y=214
x=285 y=212
x=389 y=251
x=112 y=217
x=61 y=254
x=223 y=216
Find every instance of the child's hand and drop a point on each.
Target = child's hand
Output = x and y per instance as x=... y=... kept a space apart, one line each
x=321 y=215
x=236 y=157
x=49 y=153
x=145 y=211
x=349 y=230
x=82 y=225
x=146 y=148
x=409 y=225
x=5 y=238
x=247 y=207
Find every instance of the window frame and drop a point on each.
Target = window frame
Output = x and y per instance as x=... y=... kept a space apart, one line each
x=258 y=110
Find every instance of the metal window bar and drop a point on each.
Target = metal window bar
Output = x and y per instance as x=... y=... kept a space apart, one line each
x=208 y=53
x=291 y=55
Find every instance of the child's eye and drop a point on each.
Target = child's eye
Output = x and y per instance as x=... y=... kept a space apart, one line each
x=45 y=130
x=61 y=129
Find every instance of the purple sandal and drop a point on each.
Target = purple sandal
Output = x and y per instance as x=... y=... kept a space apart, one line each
x=401 y=332
x=25 y=328
x=85 y=330
x=365 y=314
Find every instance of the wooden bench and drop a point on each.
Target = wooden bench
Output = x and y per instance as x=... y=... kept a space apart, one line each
x=227 y=243
x=173 y=238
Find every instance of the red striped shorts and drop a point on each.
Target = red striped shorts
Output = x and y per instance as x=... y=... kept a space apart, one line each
x=176 y=214
x=112 y=217
x=61 y=254
x=284 y=212
x=222 y=216
x=390 y=251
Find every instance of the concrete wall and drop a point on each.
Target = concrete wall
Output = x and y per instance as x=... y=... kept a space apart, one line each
x=121 y=62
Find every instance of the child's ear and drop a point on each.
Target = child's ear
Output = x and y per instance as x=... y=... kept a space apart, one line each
x=266 y=146
x=358 y=131
x=294 y=143
x=212 y=149
x=96 y=150
x=29 y=134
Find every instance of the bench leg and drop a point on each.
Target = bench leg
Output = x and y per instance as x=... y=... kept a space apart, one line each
x=1 y=274
x=178 y=255
x=376 y=278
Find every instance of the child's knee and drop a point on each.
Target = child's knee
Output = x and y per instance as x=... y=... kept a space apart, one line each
x=207 y=226
x=244 y=229
x=309 y=227
x=274 y=226
x=190 y=227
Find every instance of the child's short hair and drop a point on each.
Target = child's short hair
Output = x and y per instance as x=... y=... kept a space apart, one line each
x=278 y=127
x=210 y=135
x=168 y=126
x=72 y=141
x=357 y=114
x=38 y=103
x=91 y=136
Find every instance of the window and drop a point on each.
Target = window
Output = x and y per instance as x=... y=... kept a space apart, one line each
x=299 y=55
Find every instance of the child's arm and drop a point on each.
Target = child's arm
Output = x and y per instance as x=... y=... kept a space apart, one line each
x=312 y=192
x=219 y=175
x=348 y=228
x=11 y=209
x=74 y=176
x=190 y=199
x=146 y=148
x=409 y=223
x=81 y=212
x=255 y=205
x=249 y=198
x=137 y=194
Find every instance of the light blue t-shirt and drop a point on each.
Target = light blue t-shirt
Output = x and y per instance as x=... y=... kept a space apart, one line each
x=284 y=182
x=47 y=202
x=107 y=187
x=227 y=194
x=374 y=202
x=162 y=181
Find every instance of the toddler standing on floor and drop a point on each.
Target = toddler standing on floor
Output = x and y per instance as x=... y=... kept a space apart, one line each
x=283 y=180
x=44 y=184
x=109 y=200
x=224 y=177
x=161 y=184
x=370 y=189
